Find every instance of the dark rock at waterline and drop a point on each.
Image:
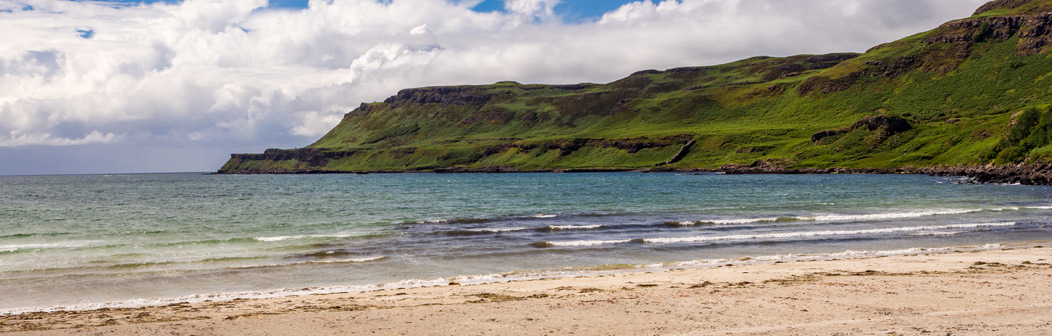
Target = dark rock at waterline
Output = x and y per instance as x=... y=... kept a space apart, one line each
x=1023 y=173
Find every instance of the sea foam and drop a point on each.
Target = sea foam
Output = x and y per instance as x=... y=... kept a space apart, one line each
x=573 y=227
x=885 y=216
x=771 y=236
x=347 y=260
x=20 y=247
x=731 y=221
x=844 y=217
x=483 y=279
x=585 y=242
x=280 y=238
x=307 y=262
x=496 y=230
x=819 y=233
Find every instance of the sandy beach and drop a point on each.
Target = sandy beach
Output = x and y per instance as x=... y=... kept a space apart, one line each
x=1004 y=291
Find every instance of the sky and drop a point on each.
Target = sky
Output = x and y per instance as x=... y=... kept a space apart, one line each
x=177 y=86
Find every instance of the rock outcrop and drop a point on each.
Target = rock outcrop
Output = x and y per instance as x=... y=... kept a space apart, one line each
x=565 y=147
x=996 y=4
x=447 y=95
x=683 y=150
x=1034 y=31
x=314 y=157
x=817 y=62
x=1026 y=174
x=1036 y=35
x=882 y=123
x=1023 y=173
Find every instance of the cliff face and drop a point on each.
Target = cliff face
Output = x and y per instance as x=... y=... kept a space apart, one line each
x=1032 y=31
x=942 y=97
x=455 y=95
x=282 y=161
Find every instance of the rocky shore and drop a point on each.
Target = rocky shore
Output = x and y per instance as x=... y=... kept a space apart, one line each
x=1022 y=173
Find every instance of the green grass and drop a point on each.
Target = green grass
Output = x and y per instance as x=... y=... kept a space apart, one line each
x=958 y=97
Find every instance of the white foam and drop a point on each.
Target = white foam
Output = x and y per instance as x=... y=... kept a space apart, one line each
x=835 y=255
x=943 y=233
x=16 y=247
x=348 y=260
x=588 y=242
x=478 y=279
x=283 y=292
x=496 y=230
x=1041 y=207
x=852 y=217
x=280 y=238
x=885 y=216
x=323 y=261
x=544 y=216
x=432 y=221
x=740 y=221
x=820 y=233
x=287 y=292
x=12 y=248
x=574 y=227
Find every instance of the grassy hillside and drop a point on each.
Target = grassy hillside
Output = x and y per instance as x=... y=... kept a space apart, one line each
x=973 y=91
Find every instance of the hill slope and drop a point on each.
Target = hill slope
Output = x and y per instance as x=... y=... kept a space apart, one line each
x=970 y=92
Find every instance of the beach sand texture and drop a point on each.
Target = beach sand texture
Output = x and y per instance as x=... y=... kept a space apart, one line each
x=998 y=292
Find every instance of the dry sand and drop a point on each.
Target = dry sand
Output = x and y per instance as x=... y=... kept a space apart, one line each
x=1000 y=292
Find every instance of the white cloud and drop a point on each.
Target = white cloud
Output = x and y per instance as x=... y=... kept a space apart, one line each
x=314 y=123
x=230 y=71
x=532 y=8
x=45 y=139
x=421 y=30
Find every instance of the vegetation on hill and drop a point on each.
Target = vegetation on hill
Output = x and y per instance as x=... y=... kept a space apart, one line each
x=972 y=91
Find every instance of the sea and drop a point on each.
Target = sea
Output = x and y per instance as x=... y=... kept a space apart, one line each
x=93 y=241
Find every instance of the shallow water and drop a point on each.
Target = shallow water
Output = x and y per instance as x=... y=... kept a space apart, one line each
x=78 y=240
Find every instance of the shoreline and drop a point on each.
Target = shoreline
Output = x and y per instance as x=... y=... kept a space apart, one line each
x=506 y=277
x=762 y=279
x=1024 y=174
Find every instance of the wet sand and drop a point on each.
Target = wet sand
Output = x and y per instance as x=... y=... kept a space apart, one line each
x=999 y=292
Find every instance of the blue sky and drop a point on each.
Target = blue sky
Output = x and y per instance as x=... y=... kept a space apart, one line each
x=89 y=87
x=567 y=10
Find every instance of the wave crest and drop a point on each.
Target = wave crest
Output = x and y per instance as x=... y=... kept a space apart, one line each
x=769 y=236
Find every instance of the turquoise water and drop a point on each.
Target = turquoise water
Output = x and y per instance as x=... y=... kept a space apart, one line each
x=78 y=241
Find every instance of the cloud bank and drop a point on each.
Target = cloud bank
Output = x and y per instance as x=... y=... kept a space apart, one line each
x=233 y=75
